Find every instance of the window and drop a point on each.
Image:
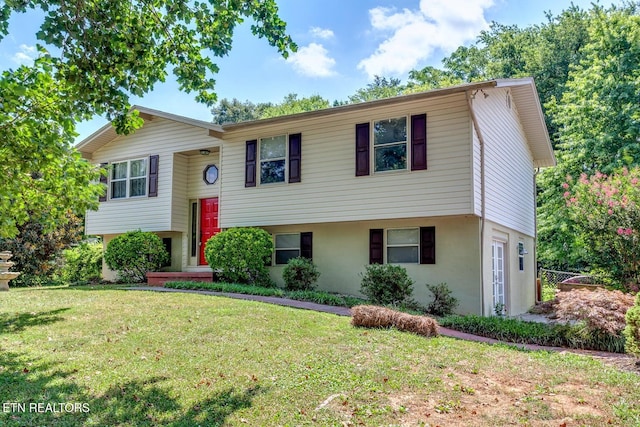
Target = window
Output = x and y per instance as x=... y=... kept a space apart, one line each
x=129 y=179
x=287 y=247
x=275 y=157
x=403 y=245
x=521 y=253
x=390 y=144
x=396 y=145
x=293 y=245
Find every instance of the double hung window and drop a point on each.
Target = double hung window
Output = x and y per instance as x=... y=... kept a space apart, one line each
x=129 y=179
x=390 y=144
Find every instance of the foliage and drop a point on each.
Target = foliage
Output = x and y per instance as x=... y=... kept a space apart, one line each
x=600 y=310
x=235 y=111
x=293 y=105
x=386 y=284
x=596 y=118
x=36 y=249
x=524 y=332
x=44 y=177
x=443 y=301
x=107 y=51
x=632 y=329
x=318 y=297
x=380 y=88
x=605 y=211
x=240 y=255
x=134 y=254
x=82 y=263
x=300 y=274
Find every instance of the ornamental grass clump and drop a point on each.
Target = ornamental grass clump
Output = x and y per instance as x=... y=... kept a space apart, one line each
x=370 y=316
x=600 y=310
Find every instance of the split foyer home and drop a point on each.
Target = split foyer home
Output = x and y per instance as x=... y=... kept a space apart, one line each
x=441 y=182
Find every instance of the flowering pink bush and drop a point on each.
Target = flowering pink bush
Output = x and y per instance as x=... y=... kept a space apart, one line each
x=606 y=212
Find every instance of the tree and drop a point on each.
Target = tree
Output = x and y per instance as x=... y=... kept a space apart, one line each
x=235 y=111
x=605 y=210
x=598 y=122
x=379 y=89
x=106 y=51
x=293 y=105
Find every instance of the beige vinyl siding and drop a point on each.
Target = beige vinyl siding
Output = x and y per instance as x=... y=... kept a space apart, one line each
x=477 y=175
x=508 y=163
x=330 y=191
x=196 y=187
x=179 y=208
x=164 y=138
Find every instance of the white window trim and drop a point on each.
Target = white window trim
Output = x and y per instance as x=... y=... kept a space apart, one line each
x=521 y=254
x=387 y=245
x=285 y=158
x=372 y=162
x=128 y=179
x=275 y=248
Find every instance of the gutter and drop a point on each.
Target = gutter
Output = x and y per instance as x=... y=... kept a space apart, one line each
x=476 y=127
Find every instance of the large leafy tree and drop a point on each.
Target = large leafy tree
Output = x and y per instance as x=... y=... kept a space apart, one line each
x=598 y=121
x=235 y=111
x=99 y=54
x=292 y=105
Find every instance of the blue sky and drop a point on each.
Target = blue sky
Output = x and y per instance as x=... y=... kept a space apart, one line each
x=342 y=45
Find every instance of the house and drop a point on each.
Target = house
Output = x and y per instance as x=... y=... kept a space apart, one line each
x=441 y=182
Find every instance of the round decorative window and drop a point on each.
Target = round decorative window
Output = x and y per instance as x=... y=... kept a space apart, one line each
x=210 y=174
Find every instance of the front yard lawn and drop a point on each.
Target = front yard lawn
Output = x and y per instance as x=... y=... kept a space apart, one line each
x=111 y=357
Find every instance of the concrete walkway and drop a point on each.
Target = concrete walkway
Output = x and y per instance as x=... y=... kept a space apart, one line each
x=343 y=311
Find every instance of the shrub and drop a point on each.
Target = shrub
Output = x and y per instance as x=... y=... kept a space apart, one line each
x=600 y=310
x=37 y=251
x=240 y=255
x=443 y=302
x=386 y=284
x=135 y=253
x=632 y=330
x=82 y=263
x=300 y=274
x=523 y=332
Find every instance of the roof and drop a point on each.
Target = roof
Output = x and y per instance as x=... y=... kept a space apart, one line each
x=523 y=92
x=107 y=133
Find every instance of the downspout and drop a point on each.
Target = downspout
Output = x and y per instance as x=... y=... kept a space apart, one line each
x=476 y=127
x=535 y=234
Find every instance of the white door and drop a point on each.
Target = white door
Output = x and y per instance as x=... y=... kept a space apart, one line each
x=497 y=255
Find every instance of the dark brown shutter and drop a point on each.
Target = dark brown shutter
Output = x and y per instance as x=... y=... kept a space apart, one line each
x=153 y=175
x=250 y=163
x=103 y=180
x=427 y=245
x=306 y=245
x=419 y=142
x=362 y=149
x=376 y=246
x=295 y=157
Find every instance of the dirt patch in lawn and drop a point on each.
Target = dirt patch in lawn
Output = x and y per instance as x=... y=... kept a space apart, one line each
x=494 y=398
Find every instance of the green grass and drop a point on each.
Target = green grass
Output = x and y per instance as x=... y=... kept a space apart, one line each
x=318 y=297
x=146 y=359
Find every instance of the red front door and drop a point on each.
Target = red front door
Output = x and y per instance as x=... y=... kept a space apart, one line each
x=208 y=223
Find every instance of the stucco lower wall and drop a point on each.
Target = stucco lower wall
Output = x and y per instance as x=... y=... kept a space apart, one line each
x=520 y=286
x=341 y=253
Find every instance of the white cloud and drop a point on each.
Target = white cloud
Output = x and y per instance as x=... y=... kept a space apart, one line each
x=313 y=60
x=413 y=35
x=321 y=33
x=25 y=55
